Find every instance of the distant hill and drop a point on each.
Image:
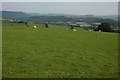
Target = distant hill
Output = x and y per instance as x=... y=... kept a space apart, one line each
x=108 y=16
x=60 y=14
x=50 y=19
x=50 y=14
x=57 y=18
x=13 y=14
x=36 y=14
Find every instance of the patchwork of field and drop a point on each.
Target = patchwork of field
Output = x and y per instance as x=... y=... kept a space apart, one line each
x=57 y=52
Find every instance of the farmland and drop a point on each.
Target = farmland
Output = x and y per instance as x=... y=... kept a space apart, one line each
x=57 y=52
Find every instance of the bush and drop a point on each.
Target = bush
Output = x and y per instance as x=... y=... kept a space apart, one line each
x=104 y=27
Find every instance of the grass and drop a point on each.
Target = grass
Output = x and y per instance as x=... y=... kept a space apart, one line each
x=57 y=52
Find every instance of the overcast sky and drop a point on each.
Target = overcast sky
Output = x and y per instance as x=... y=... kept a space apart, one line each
x=60 y=0
x=78 y=8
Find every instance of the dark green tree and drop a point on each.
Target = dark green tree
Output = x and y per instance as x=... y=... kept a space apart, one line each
x=106 y=27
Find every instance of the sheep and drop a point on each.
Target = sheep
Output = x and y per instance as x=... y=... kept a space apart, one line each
x=34 y=26
x=99 y=30
x=74 y=29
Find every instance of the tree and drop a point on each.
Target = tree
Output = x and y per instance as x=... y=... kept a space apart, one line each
x=104 y=27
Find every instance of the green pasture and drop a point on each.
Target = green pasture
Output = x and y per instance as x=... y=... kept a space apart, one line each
x=57 y=52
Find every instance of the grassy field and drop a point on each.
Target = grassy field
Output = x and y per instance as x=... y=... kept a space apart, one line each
x=57 y=52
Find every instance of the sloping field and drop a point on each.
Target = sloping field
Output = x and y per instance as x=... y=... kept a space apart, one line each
x=57 y=52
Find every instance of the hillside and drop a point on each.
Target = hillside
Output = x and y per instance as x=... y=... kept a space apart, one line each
x=108 y=16
x=57 y=52
x=50 y=14
x=12 y=14
x=63 y=19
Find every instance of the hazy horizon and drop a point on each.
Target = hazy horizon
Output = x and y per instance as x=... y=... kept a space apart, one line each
x=74 y=8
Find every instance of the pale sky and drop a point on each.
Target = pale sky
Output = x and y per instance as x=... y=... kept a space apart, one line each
x=77 y=8
x=60 y=0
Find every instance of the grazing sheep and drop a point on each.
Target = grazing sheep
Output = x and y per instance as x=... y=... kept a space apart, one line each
x=99 y=30
x=34 y=27
x=74 y=29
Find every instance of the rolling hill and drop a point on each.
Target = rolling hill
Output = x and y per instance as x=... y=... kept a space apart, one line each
x=57 y=52
x=51 y=18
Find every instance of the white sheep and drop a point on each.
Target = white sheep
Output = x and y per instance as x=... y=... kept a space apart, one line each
x=74 y=29
x=99 y=30
x=34 y=26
